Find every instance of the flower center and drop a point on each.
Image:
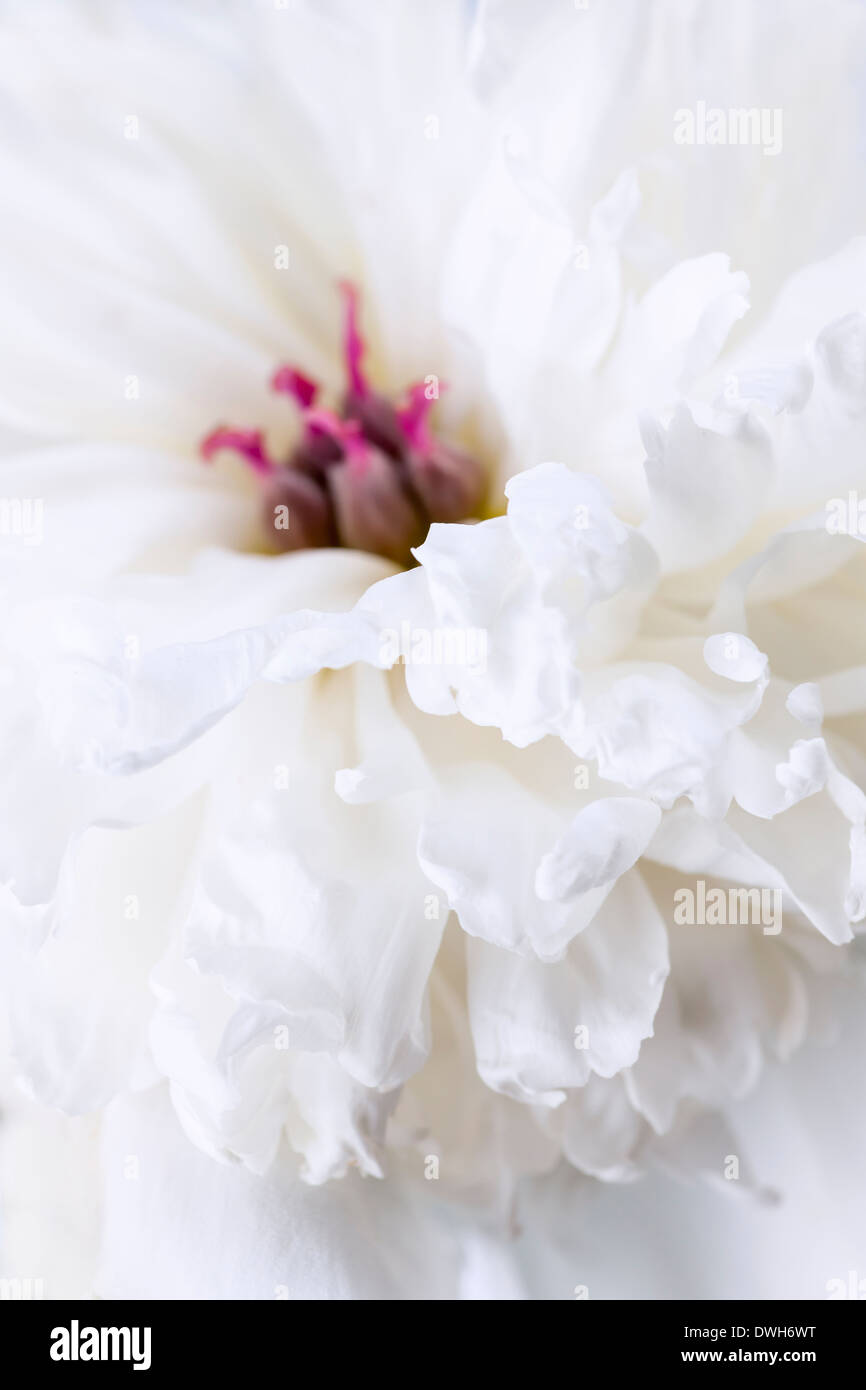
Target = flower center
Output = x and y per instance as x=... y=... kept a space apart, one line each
x=370 y=475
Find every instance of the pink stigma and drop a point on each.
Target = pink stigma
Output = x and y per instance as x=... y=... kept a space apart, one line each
x=291 y=382
x=248 y=443
x=414 y=417
x=347 y=433
x=353 y=343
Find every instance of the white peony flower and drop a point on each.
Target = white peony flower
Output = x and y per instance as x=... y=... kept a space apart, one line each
x=381 y=856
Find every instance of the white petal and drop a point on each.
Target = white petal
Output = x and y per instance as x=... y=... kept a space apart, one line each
x=540 y=1029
